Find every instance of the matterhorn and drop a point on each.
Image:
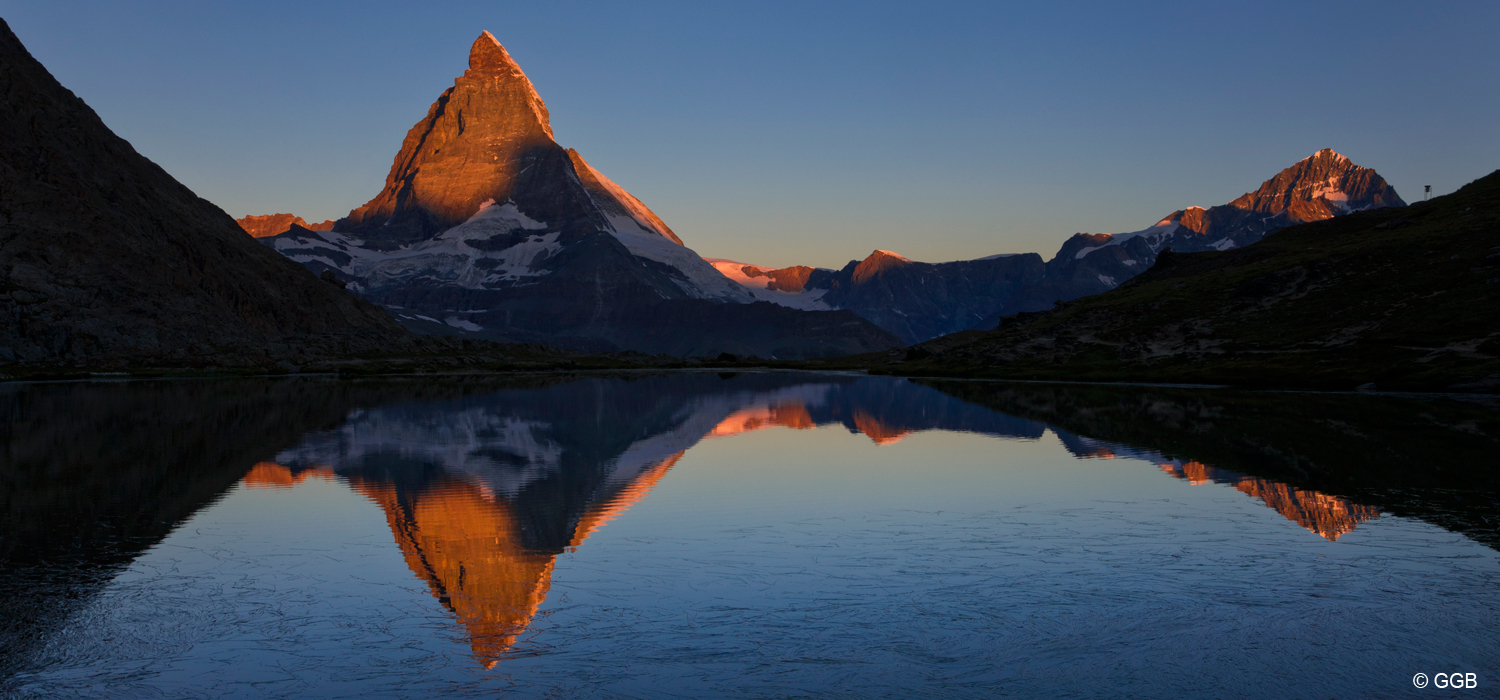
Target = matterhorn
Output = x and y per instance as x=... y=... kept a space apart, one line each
x=486 y=227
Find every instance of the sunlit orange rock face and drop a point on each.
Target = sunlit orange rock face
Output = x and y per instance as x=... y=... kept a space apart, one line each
x=1329 y=516
x=479 y=140
x=876 y=263
x=273 y=224
x=1321 y=186
x=787 y=279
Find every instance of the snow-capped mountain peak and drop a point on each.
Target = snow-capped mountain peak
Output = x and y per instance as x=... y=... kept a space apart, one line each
x=487 y=226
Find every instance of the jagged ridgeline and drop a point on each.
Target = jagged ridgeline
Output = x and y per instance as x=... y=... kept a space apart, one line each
x=920 y=301
x=105 y=257
x=487 y=228
x=1394 y=298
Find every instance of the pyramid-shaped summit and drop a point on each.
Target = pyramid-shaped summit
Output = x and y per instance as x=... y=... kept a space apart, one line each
x=487 y=227
x=476 y=144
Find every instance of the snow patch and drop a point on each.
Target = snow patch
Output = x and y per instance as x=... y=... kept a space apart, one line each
x=735 y=270
x=703 y=281
x=1331 y=193
x=448 y=258
x=459 y=323
x=1153 y=237
x=1107 y=280
x=806 y=300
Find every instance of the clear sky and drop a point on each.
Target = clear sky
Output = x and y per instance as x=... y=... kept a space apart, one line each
x=808 y=132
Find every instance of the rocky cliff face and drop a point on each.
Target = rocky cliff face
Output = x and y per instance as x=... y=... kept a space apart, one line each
x=1320 y=186
x=486 y=227
x=105 y=257
x=477 y=143
x=272 y=224
x=919 y=301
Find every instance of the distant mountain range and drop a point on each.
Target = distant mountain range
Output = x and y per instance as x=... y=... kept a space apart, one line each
x=1394 y=299
x=920 y=301
x=488 y=228
x=272 y=224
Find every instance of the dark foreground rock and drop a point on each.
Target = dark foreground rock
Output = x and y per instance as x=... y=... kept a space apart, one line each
x=104 y=257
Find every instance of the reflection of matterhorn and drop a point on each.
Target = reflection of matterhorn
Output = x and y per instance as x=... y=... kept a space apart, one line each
x=469 y=545
x=483 y=493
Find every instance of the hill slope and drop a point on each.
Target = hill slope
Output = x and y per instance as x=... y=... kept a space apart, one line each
x=103 y=255
x=1405 y=298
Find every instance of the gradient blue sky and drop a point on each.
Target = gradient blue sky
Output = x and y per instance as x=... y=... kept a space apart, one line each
x=808 y=133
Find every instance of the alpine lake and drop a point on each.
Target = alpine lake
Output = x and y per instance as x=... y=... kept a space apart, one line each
x=702 y=534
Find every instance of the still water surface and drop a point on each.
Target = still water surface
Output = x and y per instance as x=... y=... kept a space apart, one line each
x=751 y=535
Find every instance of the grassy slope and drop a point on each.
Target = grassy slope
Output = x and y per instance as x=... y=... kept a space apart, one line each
x=1405 y=298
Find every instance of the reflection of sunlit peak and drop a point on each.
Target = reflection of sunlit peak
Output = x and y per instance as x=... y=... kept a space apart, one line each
x=787 y=415
x=877 y=430
x=1194 y=472
x=270 y=475
x=1329 y=516
x=604 y=512
x=469 y=551
x=466 y=542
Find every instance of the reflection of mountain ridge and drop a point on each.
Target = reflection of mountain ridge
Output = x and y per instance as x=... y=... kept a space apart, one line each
x=94 y=473
x=567 y=446
x=483 y=492
x=1329 y=516
x=486 y=480
x=1314 y=456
